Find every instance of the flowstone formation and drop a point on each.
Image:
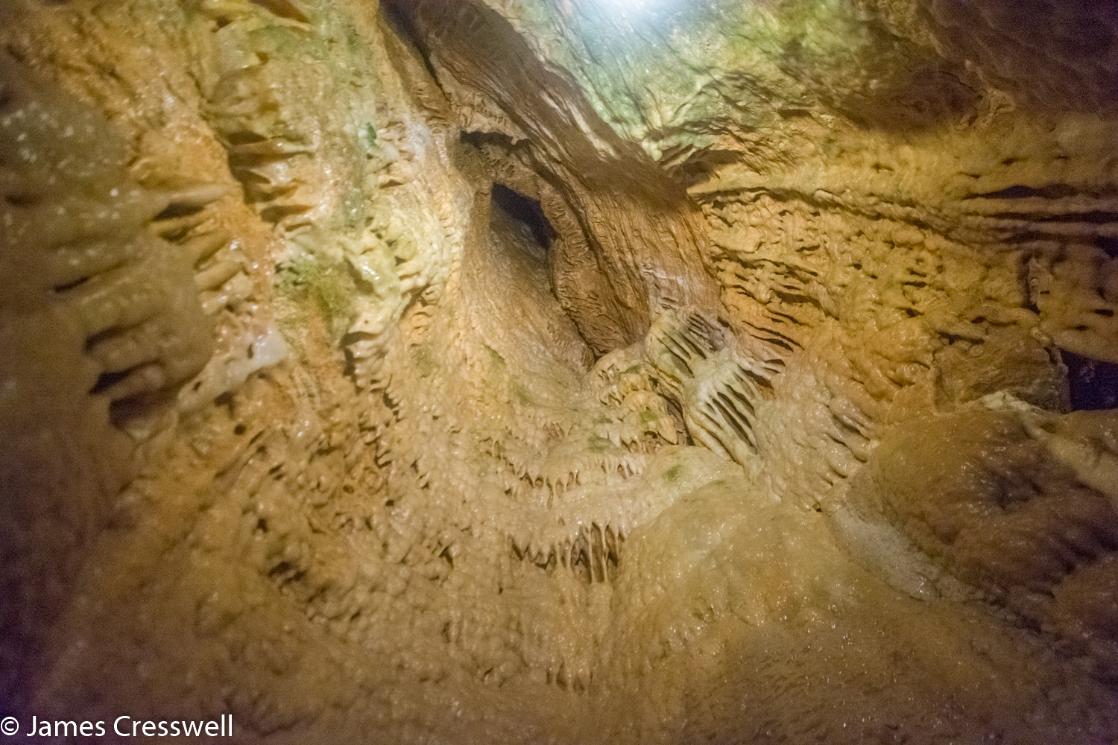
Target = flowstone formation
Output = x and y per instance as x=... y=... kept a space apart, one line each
x=562 y=371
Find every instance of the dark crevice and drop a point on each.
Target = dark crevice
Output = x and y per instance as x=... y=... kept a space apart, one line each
x=402 y=23
x=526 y=211
x=1092 y=384
x=284 y=9
x=1095 y=217
x=1107 y=245
x=107 y=380
x=481 y=139
x=1052 y=191
x=176 y=210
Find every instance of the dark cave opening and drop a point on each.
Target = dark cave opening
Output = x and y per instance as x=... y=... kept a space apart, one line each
x=526 y=211
x=1092 y=384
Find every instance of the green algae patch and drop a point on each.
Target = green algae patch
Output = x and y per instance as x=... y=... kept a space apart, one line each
x=327 y=289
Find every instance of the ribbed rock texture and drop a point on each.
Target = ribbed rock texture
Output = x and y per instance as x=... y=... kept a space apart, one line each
x=572 y=371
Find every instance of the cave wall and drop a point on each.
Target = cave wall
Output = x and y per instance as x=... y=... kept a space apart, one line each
x=545 y=372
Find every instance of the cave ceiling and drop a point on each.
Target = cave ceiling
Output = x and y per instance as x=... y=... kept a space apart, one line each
x=561 y=371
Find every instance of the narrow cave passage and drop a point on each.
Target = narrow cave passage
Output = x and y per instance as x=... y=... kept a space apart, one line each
x=526 y=211
x=560 y=371
x=1092 y=384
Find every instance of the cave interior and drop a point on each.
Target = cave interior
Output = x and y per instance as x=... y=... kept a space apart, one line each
x=561 y=371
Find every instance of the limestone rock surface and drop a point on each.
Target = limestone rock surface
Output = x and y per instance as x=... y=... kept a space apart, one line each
x=562 y=371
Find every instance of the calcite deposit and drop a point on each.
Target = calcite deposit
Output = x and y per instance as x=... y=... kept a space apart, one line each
x=561 y=371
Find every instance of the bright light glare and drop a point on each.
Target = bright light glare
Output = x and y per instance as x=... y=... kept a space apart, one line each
x=630 y=6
